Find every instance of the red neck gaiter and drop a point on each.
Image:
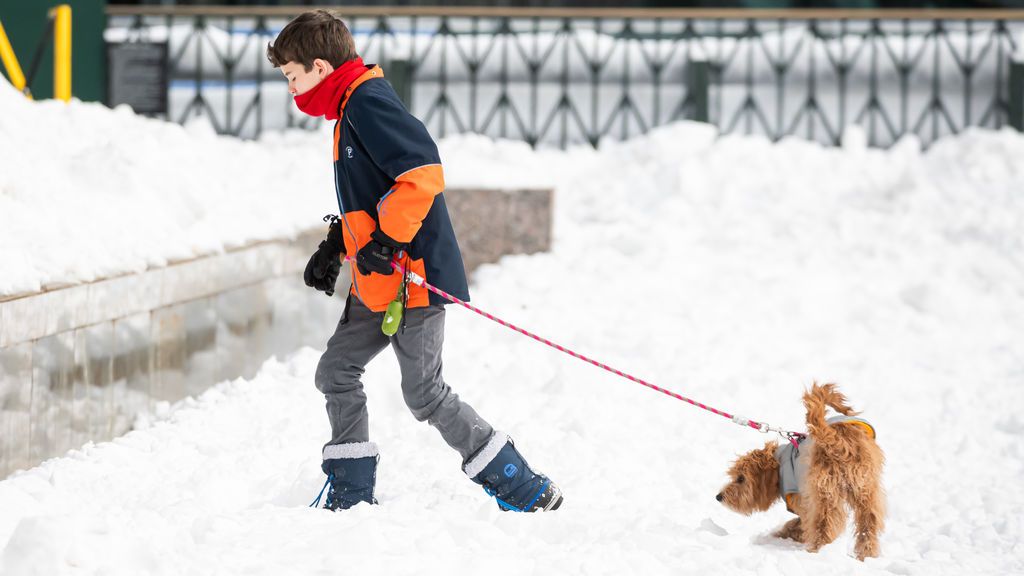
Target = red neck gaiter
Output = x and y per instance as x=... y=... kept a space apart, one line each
x=324 y=99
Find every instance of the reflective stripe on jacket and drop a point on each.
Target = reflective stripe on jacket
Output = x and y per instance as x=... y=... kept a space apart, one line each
x=388 y=173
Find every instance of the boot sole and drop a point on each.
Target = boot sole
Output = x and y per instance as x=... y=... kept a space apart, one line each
x=555 y=502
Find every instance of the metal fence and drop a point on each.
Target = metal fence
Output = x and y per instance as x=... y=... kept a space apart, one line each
x=564 y=76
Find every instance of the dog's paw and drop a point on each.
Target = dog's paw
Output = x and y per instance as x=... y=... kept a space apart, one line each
x=791 y=531
x=867 y=550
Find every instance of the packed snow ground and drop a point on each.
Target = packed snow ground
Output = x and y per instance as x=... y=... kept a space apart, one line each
x=731 y=270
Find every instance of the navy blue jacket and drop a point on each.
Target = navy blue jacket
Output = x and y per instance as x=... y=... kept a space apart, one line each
x=388 y=174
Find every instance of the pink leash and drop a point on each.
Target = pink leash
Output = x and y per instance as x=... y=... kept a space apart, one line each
x=418 y=280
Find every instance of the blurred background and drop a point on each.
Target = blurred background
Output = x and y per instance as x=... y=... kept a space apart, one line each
x=564 y=73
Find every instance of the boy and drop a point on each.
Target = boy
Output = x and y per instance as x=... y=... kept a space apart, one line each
x=388 y=180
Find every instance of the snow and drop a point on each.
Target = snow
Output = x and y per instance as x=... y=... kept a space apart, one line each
x=731 y=270
x=181 y=192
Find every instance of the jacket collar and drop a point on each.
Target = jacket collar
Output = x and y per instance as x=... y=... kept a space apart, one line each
x=373 y=71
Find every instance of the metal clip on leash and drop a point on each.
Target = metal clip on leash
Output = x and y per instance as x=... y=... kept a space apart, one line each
x=748 y=423
x=793 y=438
x=405 y=291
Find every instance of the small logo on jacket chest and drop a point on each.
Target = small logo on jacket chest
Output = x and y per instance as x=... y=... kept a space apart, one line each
x=348 y=151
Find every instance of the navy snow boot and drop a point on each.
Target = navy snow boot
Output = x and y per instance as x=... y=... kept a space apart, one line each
x=351 y=475
x=504 y=474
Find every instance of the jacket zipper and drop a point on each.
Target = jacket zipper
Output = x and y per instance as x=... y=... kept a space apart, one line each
x=344 y=220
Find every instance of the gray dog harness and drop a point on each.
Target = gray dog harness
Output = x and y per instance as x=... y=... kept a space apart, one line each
x=793 y=468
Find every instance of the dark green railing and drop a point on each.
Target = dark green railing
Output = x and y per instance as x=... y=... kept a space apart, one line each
x=559 y=76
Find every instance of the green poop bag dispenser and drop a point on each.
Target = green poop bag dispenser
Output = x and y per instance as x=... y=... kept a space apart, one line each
x=393 y=315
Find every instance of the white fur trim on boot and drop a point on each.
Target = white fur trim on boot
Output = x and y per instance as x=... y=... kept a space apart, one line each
x=353 y=450
x=477 y=464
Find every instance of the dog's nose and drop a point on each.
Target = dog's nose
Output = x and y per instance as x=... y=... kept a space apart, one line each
x=719 y=497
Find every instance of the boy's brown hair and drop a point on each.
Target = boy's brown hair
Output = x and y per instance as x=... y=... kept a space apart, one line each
x=312 y=35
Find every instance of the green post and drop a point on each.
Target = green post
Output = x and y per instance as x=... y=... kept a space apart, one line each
x=399 y=73
x=1016 y=103
x=697 y=80
x=25 y=23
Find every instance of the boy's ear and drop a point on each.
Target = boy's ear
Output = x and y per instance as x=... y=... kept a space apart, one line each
x=322 y=67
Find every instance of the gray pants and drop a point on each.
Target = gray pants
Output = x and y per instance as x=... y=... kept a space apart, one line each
x=357 y=340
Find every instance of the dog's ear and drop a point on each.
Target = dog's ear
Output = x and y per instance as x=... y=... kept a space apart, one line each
x=764 y=458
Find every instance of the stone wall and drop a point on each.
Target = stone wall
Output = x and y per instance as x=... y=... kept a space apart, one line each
x=493 y=223
x=79 y=364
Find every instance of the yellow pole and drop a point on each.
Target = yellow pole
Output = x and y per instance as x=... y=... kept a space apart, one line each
x=11 y=62
x=62 y=53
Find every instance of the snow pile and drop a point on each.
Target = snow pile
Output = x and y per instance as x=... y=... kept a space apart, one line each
x=730 y=270
x=88 y=192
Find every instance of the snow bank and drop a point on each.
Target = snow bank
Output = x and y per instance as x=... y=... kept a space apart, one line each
x=88 y=192
x=730 y=270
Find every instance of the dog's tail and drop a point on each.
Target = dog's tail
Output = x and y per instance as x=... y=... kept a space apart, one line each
x=816 y=400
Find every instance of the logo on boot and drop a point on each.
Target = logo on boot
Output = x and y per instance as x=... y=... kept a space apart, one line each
x=510 y=470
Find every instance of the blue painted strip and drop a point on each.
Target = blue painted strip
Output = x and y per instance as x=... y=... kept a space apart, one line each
x=275 y=30
x=182 y=83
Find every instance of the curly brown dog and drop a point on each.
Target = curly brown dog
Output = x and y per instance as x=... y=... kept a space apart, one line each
x=837 y=465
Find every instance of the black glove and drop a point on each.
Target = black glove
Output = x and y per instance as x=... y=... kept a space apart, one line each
x=324 y=265
x=376 y=255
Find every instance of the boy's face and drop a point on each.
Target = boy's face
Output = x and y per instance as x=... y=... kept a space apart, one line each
x=300 y=80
